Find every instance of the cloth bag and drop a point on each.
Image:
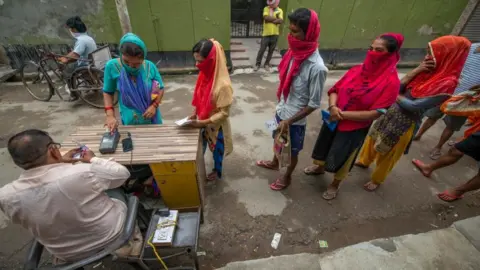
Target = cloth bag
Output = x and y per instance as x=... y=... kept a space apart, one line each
x=464 y=104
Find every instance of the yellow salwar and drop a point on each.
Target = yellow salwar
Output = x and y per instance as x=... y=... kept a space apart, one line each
x=344 y=170
x=384 y=162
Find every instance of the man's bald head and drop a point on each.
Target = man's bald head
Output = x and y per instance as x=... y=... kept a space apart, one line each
x=29 y=148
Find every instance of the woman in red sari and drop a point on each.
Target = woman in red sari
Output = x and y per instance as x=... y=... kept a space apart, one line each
x=360 y=97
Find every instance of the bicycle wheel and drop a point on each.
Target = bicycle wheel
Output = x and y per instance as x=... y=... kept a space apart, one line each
x=87 y=82
x=35 y=81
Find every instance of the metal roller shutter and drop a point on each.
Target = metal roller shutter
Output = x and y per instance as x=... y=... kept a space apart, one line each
x=472 y=27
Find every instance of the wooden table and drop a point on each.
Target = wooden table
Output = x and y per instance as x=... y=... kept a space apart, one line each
x=174 y=154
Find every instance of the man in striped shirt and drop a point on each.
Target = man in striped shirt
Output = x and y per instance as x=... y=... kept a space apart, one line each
x=470 y=77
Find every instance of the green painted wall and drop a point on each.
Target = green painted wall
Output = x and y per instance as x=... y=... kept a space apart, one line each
x=352 y=24
x=175 y=25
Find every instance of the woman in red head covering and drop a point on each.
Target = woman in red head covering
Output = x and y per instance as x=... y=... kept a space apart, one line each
x=212 y=99
x=425 y=87
x=302 y=75
x=357 y=99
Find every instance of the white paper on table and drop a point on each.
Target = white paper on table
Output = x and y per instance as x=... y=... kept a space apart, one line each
x=271 y=125
x=183 y=122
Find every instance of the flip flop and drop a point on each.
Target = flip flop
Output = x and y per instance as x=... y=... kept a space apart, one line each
x=212 y=177
x=265 y=164
x=329 y=195
x=417 y=163
x=277 y=186
x=309 y=171
x=368 y=185
x=360 y=165
x=435 y=154
x=447 y=197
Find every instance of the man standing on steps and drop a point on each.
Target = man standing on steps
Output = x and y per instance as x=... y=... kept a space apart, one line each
x=272 y=18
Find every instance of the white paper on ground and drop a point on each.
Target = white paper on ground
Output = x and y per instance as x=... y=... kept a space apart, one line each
x=276 y=240
x=271 y=125
x=183 y=122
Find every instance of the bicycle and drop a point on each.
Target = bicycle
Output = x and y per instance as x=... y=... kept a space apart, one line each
x=85 y=82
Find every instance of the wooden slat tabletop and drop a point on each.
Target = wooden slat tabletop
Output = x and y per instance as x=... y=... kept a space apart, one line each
x=151 y=143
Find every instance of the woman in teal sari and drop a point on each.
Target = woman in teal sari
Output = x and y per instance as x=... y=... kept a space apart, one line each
x=138 y=82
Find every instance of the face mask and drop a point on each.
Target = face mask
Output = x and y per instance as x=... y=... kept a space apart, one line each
x=74 y=35
x=130 y=70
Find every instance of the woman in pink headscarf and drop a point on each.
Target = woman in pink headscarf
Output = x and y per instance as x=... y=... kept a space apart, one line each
x=358 y=98
x=302 y=75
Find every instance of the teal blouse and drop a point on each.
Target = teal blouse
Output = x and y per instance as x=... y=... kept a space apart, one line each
x=149 y=73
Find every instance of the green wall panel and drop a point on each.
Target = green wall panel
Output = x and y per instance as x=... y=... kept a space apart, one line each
x=209 y=22
x=430 y=14
x=141 y=19
x=334 y=19
x=173 y=24
x=363 y=20
x=393 y=16
x=353 y=24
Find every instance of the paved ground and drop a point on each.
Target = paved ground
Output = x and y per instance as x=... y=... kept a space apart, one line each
x=456 y=247
x=242 y=213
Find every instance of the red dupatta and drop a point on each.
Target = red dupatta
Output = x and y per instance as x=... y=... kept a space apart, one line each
x=299 y=51
x=372 y=85
x=449 y=54
x=202 y=96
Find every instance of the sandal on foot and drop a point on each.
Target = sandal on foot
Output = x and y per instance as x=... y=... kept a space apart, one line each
x=312 y=170
x=451 y=143
x=266 y=165
x=419 y=164
x=435 y=154
x=361 y=165
x=447 y=197
x=277 y=186
x=212 y=176
x=329 y=195
x=370 y=186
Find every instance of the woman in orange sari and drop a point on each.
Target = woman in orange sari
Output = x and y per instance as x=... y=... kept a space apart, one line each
x=425 y=87
x=212 y=99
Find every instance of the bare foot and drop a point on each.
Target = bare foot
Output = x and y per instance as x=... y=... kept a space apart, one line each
x=314 y=170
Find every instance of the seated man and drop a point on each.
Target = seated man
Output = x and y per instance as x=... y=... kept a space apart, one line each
x=64 y=206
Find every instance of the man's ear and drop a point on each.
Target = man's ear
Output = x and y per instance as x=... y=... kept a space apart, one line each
x=55 y=153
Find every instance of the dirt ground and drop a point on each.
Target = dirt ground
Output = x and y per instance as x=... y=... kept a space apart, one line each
x=242 y=213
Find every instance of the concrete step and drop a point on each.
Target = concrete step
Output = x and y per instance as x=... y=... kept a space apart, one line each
x=237 y=48
x=236 y=42
x=239 y=56
x=456 y=247
x=241 y=64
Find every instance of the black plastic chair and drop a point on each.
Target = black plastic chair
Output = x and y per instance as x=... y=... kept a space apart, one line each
x=35 y=251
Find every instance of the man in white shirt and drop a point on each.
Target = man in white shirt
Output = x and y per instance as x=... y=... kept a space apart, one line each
x=64 y=206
